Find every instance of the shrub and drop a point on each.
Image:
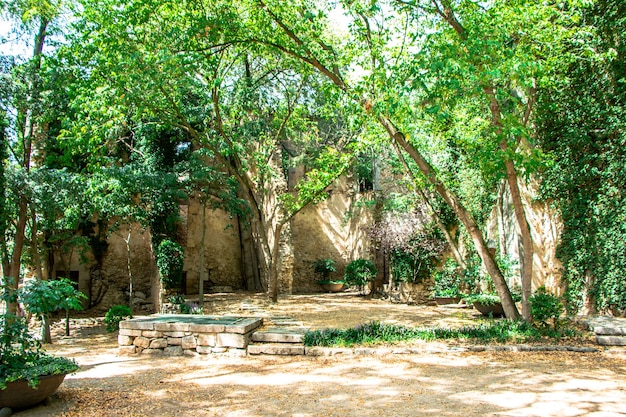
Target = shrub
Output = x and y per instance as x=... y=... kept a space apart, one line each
x=546 y=307
x=324 y=267
x=170 y=258
x=116 y=314
x=447 y=280
x=359 y=272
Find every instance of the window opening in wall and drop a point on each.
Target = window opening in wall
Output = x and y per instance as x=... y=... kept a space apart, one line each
x=364 y=171
x=71 y=275
x=183 y=283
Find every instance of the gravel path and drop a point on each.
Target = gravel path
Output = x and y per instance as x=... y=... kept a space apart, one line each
x=436 y=383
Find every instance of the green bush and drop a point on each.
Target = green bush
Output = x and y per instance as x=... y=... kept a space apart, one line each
x=545 y=308
x=447 y=280
x=324 y=267
x=116 y=314
x=170 y=259
x=359 y=272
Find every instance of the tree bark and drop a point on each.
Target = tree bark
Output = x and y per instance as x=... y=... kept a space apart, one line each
x=510 y=310
x=518 y=206
x=202 y=242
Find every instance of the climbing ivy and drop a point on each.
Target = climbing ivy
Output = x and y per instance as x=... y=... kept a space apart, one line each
x=581 y=120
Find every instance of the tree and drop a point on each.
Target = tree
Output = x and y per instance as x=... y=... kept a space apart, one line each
x=35 y=19
x=237 y=106
x=43 y=298
x=304 y=40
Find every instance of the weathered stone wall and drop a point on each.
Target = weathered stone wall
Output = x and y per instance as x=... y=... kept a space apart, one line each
x=335 y=228
x=503 y=232
x=222 y=252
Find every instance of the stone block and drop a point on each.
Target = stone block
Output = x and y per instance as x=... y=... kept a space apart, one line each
x=237 y=353
x=232 y=340
x=175 y=334
x=218 y=350
x=125 y=340
x=276 y=349
x=158 y=343
x=155 y=352
x=278 y=337
x=151 y=334
x=174 y=341
x=609 y=331
x=190 y=352
x=173 y=351
x=246 y=326
x=207 y=339
x=206 y=328
x=171 y=327
x=188 y=342
x=141 y=342
x=137 y=324
x=203 y=349
x=611 y=340
x=130 y=332
x=126 y=350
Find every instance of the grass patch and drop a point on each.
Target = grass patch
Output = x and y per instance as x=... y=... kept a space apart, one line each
x=376 y=333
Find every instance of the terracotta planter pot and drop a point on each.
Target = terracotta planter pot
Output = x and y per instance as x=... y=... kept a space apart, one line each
x=446 y=300
x=19 y=394
x=332 y=287
x=495 y=309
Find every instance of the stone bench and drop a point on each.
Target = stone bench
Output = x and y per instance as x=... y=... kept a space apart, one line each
x=180 y=334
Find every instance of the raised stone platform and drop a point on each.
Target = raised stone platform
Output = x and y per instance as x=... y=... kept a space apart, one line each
x=609 y=331
x=179 y=334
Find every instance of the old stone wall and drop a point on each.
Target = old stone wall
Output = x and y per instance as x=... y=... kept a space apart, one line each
x=336 y=228
x=222 y=252
x=503 y=233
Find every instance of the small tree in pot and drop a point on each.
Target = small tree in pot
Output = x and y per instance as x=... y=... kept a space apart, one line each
x=359 y=273
x=28 y=375
x=324 y=268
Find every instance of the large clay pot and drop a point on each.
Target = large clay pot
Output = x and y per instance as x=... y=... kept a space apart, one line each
x=332 y=287
x=486 y=309
x=447 y=300
x=19 y=394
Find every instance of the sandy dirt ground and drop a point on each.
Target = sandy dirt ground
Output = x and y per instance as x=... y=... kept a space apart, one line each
x=440 y=381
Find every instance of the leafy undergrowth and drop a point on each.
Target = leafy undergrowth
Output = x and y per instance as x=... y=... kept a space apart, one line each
x=377 y=333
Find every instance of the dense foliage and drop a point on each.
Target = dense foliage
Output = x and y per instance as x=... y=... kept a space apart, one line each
x=360 y=272
x=582 y=125
x=115 y=315
x=124 y=117
x=170 y=260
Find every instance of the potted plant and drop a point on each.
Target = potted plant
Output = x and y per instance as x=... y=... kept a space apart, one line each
x=28 y=375
x=446 y=289
x=324 y=268
x=359 y=272
x=488 y=304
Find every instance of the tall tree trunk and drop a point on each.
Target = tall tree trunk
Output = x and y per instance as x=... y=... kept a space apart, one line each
x=202 y=241
x=510 y=310
x=275 y=262
x=129 y=269
x=518 y=206
x=28 y=133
